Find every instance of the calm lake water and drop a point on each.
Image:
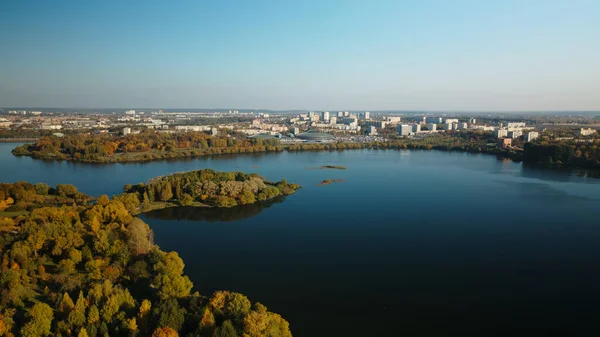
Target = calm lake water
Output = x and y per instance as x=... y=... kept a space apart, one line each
x=411 y=243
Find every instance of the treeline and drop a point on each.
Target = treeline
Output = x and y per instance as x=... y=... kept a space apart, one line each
x=21 y=132
x=207 y=187
x=146 y=145
x=569 y=152
x=153 y=145
x=93 y=270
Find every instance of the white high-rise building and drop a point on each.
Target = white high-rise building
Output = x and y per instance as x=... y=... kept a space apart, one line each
x=531 y=135
x=326 y=116
x=432 y=126
x=515 y=134
x=126 y=131
x=416 y=128
x=451 y=120
x=130 y=112
x=513 y=125
x=367 y=115
x=501 y=133
x=404 y=130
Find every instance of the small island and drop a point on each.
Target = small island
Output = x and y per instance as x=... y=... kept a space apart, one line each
x=330 y=181
x=335 y=167
x=206 y=188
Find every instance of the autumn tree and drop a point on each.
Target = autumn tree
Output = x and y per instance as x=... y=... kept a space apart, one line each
x=66 y=190
x=165 y=192
x=165 y=332
x=66 y=304
x=139 y=237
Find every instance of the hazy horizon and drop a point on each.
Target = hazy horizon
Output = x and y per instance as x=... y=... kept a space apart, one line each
x=432 y=56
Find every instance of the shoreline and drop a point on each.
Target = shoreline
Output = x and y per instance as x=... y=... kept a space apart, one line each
x=141 y=157
x=18 y=140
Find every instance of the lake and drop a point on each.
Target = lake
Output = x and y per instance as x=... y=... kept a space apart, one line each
x=412 y=243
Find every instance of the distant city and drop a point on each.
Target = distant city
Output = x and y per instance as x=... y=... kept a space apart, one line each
x=306 y=126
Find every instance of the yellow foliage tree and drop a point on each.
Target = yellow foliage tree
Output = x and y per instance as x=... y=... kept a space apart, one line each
x=165 y=332
x=5 y=203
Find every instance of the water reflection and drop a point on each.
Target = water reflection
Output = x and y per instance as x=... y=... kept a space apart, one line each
x=557 y=173
x=212 y=214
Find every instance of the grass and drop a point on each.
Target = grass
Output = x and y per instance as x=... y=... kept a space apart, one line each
x=12 y=214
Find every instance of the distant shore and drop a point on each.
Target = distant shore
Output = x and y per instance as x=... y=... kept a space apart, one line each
x=18 y=140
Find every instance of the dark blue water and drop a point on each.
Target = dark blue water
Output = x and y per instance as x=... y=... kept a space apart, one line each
x=411 y=243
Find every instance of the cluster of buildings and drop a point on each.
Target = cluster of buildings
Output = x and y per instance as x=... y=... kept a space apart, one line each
x=513 y=130
x=24 y=112
x=587 y=132
x=341 y=121
x=434 y=124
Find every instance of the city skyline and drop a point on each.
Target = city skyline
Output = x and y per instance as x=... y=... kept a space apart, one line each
x=462 y=56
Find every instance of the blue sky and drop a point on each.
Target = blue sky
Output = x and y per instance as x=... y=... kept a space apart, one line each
x=375 y=55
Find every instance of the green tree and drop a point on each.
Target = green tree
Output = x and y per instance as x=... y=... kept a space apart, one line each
x=39 y=321
x=66 y=190
x=172 y=285
x=82 y=333
x=236 y=305
x=186 y=200
x=66 y=304
x=168 y=313
x=42 y=189
x=166 y=192
x=76 y=317
x=93 y=315
x=226 y=330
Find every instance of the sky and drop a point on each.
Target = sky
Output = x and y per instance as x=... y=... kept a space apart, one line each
x=462 y=55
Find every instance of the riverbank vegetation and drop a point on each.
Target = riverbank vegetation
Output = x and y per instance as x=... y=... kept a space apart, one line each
x=204 y=188
x=93 y=270
x=152 y=145
x=566 y=152
x=145 y=146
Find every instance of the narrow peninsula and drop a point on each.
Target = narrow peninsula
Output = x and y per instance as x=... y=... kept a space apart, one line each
x=74 y=268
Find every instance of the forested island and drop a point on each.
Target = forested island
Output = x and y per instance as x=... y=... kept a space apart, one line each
x=152 y=145
x=204 y=188
x=71 y=267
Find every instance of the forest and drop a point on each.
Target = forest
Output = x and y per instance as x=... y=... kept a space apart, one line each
x=147 y=145
x=566 y=152
x=205 y=188
x=152 y=145
x=71 y=267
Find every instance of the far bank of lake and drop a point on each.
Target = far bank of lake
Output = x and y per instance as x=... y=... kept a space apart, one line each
x=412 y=242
